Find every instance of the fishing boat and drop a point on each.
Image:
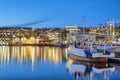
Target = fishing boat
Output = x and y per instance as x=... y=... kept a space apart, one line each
x=86 y=49
x=90 y=54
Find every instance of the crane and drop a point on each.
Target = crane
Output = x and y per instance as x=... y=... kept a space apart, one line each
x=112 y=22
x=111 y=25
x=112 y=31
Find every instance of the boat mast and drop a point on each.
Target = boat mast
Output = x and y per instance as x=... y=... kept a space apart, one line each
x=84 y=21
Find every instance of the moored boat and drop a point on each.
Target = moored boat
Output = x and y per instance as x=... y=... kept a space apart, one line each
x=87 y=55
x=87 y=49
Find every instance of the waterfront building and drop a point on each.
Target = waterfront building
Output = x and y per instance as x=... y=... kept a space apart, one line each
x=26 y=35
x=71 y=28
x=12 y=35
x=71 y=36
x=23 y=35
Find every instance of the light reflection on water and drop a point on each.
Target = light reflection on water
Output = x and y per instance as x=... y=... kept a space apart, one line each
x=93 y=71
x=32 y=62
x=50 y=63
x=31 y=53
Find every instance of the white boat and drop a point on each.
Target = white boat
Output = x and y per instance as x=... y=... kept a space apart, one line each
x=85 y=50
x=90 y=55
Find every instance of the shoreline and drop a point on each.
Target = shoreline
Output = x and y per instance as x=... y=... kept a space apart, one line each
x=53 y=45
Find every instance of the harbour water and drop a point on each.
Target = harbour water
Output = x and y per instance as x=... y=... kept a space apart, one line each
x=50 y=63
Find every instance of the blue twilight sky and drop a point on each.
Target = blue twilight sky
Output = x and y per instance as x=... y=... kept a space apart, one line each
x=58 y=13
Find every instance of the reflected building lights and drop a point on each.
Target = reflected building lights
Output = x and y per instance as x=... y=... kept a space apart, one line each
x=30 y=53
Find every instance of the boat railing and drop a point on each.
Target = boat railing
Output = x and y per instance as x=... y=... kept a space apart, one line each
x=88 y=53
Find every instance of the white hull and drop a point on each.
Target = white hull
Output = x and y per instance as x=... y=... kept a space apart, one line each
x=79 y=54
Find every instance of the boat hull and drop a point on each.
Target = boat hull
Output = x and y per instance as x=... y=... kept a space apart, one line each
x=94 y=60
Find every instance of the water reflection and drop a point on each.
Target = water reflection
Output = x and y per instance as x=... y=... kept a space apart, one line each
x=32 y=54
x=42 y=63
x=90 y=71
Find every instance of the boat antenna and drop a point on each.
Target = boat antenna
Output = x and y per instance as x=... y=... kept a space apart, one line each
x=84 y=21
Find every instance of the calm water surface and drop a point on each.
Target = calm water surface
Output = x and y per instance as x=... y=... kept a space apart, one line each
x=50 y=63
